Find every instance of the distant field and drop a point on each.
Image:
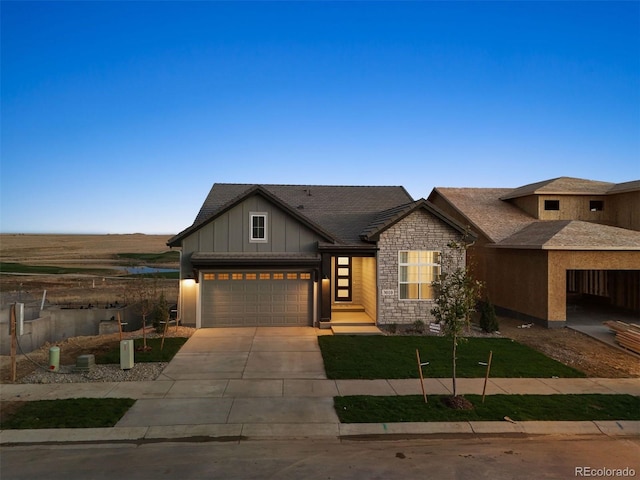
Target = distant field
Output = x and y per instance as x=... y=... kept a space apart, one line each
x=80 y=268
x=84 y=250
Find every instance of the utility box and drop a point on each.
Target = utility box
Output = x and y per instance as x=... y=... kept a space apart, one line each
x=19 y=318
x=126 y=354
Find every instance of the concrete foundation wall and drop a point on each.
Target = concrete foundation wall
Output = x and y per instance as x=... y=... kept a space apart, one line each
x=56 y=324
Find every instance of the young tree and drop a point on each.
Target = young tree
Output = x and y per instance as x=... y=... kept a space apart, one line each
x=161 y=314
x=456 y=296
x=144 y=292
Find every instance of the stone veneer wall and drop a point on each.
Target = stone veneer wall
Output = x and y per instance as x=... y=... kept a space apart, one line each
x=418 y=231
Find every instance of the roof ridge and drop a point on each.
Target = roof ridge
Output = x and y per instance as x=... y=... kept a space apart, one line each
x=308 y=185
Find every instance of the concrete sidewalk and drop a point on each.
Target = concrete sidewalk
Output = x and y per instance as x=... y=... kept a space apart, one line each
x=256 y=383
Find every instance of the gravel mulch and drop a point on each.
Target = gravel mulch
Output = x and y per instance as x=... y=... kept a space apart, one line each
x=140 y=372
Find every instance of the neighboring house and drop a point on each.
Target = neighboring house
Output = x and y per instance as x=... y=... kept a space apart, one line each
x=301 y=255
x=542 y=244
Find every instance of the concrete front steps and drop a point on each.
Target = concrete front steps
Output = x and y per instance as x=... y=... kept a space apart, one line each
x=356 y=330
x=352 y=320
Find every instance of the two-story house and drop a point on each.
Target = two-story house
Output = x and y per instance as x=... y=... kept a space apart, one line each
x=542 y=243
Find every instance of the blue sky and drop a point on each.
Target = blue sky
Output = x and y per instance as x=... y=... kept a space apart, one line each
x=117 y=117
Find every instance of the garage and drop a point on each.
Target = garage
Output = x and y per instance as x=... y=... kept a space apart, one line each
x=257 y=298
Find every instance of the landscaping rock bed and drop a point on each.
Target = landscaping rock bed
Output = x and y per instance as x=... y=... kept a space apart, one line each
x=141 y=372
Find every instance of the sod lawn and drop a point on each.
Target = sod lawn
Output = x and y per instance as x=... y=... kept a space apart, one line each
x=69 y=413
x=386 y=357
x=171 y=346
x=411 y=408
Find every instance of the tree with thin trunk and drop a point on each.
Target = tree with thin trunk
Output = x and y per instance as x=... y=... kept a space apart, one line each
x=457 y=294
x=144 y=291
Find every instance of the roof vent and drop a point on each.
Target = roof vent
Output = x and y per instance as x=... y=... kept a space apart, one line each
x=300 y=207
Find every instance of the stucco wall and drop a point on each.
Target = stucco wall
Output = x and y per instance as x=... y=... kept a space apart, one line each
x=418 y=231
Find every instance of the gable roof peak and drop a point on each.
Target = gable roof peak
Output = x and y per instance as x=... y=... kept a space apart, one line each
x=387 y=218
x=561 y=186
x=337 y=213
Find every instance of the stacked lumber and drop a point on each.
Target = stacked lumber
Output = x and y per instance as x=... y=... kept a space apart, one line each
x=627 y=334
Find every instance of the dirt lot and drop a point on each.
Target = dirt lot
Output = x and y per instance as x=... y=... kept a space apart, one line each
x=575 y=349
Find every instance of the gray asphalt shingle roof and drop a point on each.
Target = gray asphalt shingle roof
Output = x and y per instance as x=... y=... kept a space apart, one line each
x=344 y=212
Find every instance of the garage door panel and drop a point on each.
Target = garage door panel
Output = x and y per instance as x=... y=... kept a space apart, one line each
x=257 y=301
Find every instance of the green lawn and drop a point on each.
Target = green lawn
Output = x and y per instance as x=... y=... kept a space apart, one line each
x=411 y=408
x=69 y=413
x=171 y=347
x=371 y=357
x=171 y=256
x=12 y=267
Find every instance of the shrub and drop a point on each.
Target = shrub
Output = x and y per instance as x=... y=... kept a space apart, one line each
x=418 y=326
x=488 y=319
x=160 y=313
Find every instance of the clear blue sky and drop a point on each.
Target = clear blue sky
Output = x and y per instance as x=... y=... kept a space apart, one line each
x=117 y=117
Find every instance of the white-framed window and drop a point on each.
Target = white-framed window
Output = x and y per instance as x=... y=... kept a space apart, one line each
x=258 y=227
x=417 y=269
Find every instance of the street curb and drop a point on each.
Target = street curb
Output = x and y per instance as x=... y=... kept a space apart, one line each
x=343 y=431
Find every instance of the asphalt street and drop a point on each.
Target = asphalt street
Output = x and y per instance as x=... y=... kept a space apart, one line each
x=494 y=458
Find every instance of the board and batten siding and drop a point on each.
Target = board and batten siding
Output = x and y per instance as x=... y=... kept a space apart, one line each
x=230 y=232
x=420 y=230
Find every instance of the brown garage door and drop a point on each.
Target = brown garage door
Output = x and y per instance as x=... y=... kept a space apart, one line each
x=257 y=298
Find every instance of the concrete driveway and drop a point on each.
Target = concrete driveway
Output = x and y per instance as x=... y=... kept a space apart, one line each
x=240 y=377
x=248 y=353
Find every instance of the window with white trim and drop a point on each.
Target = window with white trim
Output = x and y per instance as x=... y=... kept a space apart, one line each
x=417 y=270
x=258 y=227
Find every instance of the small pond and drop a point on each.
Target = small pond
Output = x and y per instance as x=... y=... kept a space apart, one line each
x=140 y=270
